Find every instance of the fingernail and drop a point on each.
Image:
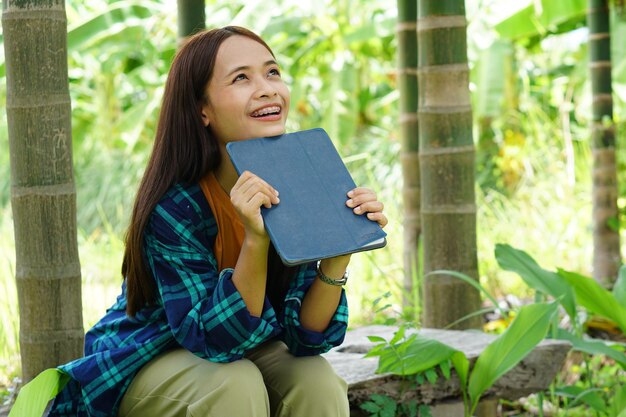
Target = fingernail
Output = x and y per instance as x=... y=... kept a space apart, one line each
x=276 y=192
x=350 y=193
x=349 y=203
x=357 y=210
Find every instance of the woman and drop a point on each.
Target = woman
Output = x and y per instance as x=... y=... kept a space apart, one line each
x=209 y=322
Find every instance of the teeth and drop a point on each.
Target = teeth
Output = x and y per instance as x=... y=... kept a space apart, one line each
x=266 y=110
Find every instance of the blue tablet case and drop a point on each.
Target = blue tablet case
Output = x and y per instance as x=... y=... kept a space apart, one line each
x=312 y=221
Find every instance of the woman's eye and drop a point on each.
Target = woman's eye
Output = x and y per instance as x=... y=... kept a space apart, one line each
x=240 y=77
x=274 y=71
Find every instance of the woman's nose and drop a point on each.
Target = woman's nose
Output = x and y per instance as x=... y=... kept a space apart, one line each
x=265 y=88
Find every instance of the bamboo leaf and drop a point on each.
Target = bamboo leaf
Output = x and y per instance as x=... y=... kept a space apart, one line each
x=529 y=327
x=547 y=282
x=35 y=396
x=595 y=298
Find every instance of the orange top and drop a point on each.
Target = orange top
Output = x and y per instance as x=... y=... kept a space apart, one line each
x=230 y=231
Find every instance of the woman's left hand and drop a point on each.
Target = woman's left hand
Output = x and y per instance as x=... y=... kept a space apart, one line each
x=361 y=201
x=364 y=201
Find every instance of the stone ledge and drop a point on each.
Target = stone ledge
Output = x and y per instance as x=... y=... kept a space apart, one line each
x=533 y=374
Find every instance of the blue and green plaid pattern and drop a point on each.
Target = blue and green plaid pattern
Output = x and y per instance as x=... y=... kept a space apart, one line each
x=198 y=308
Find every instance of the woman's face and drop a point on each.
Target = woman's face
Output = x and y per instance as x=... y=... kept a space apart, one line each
x=247 y=97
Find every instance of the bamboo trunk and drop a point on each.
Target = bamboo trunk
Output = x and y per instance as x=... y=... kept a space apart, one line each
x=409 y=156
x=43 y=195
x=606 y=242
x=191 y=17
x=447 y=164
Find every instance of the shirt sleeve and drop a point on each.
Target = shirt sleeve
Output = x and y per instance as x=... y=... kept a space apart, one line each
x=304 y=342
x=204 y=310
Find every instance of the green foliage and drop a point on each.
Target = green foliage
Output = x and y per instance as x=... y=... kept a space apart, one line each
x=385 y=406
x=595 y=299
x=380 y=406
x=409 y=355
x=412 y=354
x=579 y=395
x=417 y=354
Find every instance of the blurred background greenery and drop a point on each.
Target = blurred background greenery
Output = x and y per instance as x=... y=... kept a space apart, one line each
x=531 y=101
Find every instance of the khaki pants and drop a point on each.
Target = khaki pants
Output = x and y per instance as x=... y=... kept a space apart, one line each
x=269 y=382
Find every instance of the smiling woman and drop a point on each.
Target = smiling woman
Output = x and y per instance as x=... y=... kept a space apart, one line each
x=207 y=310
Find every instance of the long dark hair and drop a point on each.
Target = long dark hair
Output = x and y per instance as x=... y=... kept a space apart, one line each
x=184 y=149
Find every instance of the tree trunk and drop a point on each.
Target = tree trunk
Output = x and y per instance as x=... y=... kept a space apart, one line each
x=407 y=76
x=43 y=195
x=447 y=164
x=606 y=244
x=191 y=17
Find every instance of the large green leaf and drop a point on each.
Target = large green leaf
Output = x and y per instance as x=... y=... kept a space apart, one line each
x=593 y=297
x=547 y=282
x=529 y=327
x=539 y=18
x=555 y=13
x=35 y=396
x=593 y=347
x=522 y=24
x=118 y=16
x=619 y=288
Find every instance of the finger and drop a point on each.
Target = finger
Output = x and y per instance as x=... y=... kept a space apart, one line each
x=252 y=184
x=360 y=198
x=260 y=199
x=359 y=190
x=378 y=217
x=248 y=180
x=369 y=207
x=243 y=178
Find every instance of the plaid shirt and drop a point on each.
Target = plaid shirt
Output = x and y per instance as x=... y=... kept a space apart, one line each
x=198 y=308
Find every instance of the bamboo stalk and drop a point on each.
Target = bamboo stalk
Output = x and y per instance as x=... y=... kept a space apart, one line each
x=447 y=164
x=43 y=194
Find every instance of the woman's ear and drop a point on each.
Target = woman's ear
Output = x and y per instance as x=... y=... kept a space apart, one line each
x=205 y=116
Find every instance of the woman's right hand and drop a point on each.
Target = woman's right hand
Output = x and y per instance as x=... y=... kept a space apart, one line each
x=248 y=195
